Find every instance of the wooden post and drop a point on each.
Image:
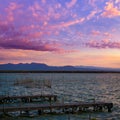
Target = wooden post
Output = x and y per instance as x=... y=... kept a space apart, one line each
x=69 y=115
x=80 y=109
x=62 y=100
x=55 y=98
x=28 y=99
x=27 y=112
x=3 y=107
x=50 y=98
x=100 y=108
x=63 y=110
x=50 y=110
x=39 y=112
x=89 y=116
x=109 y=108
x=72 y=110
x=94 y=108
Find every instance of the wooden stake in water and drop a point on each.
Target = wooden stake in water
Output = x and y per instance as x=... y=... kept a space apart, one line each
x=68 y=116
x=89 y=116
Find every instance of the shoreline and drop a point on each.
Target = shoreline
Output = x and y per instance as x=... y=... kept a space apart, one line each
x=40 y=71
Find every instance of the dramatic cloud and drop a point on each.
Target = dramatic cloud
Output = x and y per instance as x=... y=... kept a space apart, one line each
x=27 y=45
x=10 y=38
x=58 y=28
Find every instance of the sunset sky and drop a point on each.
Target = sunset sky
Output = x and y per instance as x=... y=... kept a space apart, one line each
x=60 y=32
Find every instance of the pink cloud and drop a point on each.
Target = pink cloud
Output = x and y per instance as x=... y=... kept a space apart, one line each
x=67 y=24
x=80 y=34
x=58 y=6
x=29 y=36
x=92 y=2
x=10 y=38
x=103 y=44
x=91 y=15
x=13 y=6
x=71 y=3
x=110 y=10
x=46 y=13
x=39 y=14
x=43 y=1
x=106 y=34
x=11 y=9
x=98 y=33
x=36 y=32
x=95 y=33
x=117 y=1
x=27 y=45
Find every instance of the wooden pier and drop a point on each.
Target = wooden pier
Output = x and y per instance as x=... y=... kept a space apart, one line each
x=62 y=107
x=28 y=98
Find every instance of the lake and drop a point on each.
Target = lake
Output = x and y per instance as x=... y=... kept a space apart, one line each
x=70 y=87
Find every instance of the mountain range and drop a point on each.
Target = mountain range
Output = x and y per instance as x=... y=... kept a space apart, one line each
x=44 y=67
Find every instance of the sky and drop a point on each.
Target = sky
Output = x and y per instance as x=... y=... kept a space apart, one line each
x=60 y=32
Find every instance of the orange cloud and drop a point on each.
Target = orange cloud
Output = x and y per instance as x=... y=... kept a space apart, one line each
x=110 y=10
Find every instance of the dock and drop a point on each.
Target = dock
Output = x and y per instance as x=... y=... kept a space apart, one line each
x=62 y=107
x=28 y=98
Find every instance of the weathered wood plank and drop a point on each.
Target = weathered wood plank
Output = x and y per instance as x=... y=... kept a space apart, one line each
x=27 y=98
x=107 y=106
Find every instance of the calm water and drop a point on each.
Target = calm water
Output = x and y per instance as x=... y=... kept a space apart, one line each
x=71 y=87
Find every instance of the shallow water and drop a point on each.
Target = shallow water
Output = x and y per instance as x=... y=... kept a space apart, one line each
x=71 y=87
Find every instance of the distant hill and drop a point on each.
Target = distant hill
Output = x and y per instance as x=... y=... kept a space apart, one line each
x=44 y=67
